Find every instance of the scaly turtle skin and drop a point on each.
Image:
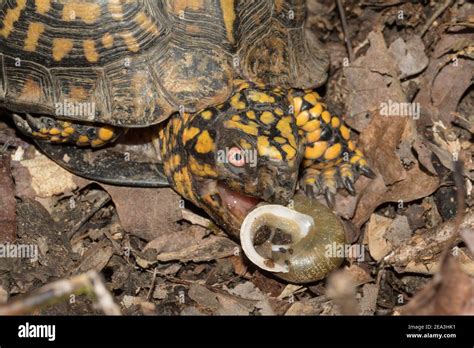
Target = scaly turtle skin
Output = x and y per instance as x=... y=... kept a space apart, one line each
x=83 y=73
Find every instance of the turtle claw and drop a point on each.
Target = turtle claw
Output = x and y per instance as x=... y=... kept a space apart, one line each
x=349 y=185
x=330 y=198
x=365 y=170
x=310 y=190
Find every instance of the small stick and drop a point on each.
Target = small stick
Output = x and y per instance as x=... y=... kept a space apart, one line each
x=345 y=30
x=86 y=283
x=435 y=15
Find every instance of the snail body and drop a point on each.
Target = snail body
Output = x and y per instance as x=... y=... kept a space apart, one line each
x=294 y=244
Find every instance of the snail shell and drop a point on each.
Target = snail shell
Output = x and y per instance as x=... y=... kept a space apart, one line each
x=294 y=244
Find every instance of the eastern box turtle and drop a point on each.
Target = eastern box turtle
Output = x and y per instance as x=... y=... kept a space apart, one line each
x=236 y=77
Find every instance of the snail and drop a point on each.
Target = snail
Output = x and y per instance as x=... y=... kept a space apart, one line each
x=294 y=244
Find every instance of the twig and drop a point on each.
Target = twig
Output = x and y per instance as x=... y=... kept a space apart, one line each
x=345 y=31
x=152 y=285
x=58 y=291
x=435 y=15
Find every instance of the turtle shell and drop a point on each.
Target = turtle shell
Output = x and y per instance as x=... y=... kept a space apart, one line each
x=136 y=62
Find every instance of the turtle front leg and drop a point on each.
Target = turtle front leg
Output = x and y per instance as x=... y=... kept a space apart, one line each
x=59 y=131
x=331 y=159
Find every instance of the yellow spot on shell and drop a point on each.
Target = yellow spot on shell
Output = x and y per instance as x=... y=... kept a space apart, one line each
x=204 y=143
x=42 y=6
x=106 y=133
x=130 y=41
x=88 y=12
x=78 y=93
x=146 y=23
x=89 y=51
x=235 y=118
x=189 y=133
x=316 y=150
x=228 y=13
x=333 y=152
x=32 y=36
x=278 y=111
x=280 y=140
x=115 y=9
x=31 y=91
x=345 y=132
x=107 y=40
x=61 y=48
x=265 y=149
x=267 y=117
x=12 y=16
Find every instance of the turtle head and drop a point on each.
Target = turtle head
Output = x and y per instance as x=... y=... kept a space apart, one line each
x=227 y=162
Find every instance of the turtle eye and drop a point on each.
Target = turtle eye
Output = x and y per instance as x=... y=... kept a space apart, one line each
x=235 y=156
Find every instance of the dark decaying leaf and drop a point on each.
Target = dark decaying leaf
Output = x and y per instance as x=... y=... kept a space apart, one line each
x=7 y=202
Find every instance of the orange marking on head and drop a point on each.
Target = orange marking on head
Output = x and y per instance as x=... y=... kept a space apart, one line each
x=12 y=16
x=89 y=51
x=42 y=6
x=35 y=30
x=61 y=48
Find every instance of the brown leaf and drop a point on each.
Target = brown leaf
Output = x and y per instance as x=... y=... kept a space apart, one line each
x=96 y=257
x=410 y=56
x=416 y=185
x=192 y=244
x=146 y=212
x=444 y=82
